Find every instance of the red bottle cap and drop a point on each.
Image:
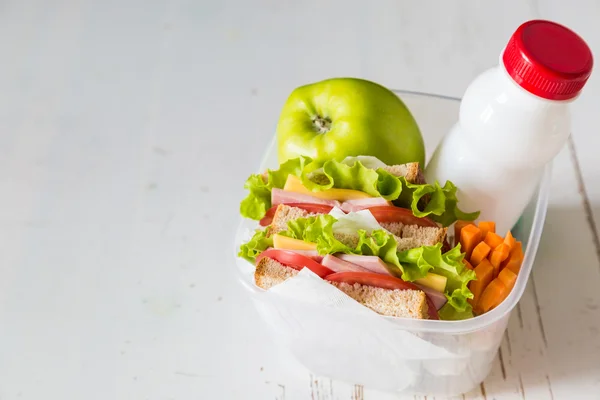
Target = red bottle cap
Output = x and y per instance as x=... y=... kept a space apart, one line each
x=548 y=60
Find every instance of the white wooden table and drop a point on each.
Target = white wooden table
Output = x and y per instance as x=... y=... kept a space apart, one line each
x=126 y=132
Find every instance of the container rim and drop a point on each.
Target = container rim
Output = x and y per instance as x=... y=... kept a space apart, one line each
x=462 y=326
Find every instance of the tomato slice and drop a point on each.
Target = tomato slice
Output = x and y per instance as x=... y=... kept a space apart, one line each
x=399 y=214
x=380 y=281
x=295 y=261
x=310 y=207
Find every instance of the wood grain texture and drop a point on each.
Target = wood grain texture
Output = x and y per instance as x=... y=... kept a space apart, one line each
x=118 y=124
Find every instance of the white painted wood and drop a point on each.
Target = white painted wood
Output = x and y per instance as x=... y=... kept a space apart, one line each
x=121 y=126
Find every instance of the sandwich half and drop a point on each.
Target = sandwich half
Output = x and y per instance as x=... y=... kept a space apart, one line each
x=407 y=303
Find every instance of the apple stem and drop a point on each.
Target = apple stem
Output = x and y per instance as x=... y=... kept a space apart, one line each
x=322 y=125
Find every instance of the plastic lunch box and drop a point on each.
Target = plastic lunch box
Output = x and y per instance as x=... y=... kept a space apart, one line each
x=397 y=354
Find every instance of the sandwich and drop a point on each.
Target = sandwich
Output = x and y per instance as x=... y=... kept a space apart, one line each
x=374 y=231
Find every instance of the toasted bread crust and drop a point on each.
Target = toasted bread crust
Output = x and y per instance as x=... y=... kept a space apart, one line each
x=405 y=303
x=269 y=273
x=410 y=171
x=283 y=214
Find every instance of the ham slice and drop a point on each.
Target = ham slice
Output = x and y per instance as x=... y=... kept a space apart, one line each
x=280 y=196
x=338 y=265
x=438 y=299
x=361 y=204
x=370 y=263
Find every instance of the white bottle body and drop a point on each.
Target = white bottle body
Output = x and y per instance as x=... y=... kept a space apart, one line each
x=496 y=152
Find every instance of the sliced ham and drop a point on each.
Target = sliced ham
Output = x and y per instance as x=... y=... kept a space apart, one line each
x=338 y=265
x=371 y=263
x=361 y=204
x=280 y=196
x=438 y=299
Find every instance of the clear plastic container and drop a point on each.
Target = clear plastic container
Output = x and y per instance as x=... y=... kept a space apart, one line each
x=397 y=354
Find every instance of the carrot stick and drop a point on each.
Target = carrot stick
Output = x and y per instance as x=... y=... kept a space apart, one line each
x=487 y=226
x=480 y=252
x=470 y=236
x=510 y=240
x=515 y=259
x=493 y=240
x=508 y=277
x=498 y=255
x=458 y=227
x=492 y=296
x=484 y=273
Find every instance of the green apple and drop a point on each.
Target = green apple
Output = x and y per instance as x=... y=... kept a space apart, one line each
x=343 y=117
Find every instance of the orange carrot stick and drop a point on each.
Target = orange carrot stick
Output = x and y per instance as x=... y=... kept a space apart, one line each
x=498 y=255
x=458 y=227
x=484 y=273
x=470 y=236
x=493 y=240
x=515 y=259
x=480 y=252
x=487 y=226
x=510 y=240
x=492 y=296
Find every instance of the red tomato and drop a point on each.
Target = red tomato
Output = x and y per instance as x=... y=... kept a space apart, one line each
x=295 y=261
x=380 y=281
x=399 y=214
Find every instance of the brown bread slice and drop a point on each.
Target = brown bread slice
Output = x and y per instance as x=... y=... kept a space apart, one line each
x=394 y=303
x=269 y=273
x=410 y=171
x=283 y=214
x=407 y=236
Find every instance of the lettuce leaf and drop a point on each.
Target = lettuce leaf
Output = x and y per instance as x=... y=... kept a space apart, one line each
x=352 y=174
x=256 y=245
x=377 y=183
x=442 y=206
x=258 y=201
x=449 y=313
x=319 y=229
x=430 y=259
x=459 y=276
x=417 y=262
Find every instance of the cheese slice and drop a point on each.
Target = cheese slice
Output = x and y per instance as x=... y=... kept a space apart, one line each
x=433 y=281
x=294 y=184
x=288 y=243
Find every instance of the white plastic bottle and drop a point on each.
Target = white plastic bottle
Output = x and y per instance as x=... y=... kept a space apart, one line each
x=513 y=120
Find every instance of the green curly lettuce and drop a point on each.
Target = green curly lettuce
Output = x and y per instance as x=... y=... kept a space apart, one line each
x=319 y=229
x=319 y=175
x=450 y=265
x=258 y=201
x=256 y=245
x=442 y=206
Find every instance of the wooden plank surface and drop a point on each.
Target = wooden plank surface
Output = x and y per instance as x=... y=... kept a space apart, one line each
x=127 y=129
